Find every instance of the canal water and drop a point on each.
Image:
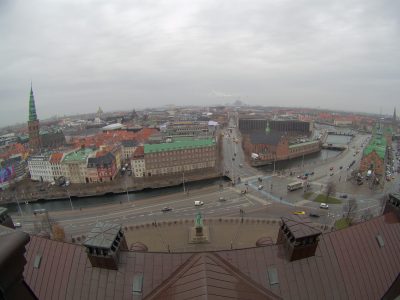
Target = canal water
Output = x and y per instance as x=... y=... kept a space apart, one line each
x=77 y=203
x=338 y=139
x=312 y=159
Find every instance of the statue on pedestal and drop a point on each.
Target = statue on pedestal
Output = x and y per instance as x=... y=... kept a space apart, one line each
x=198 y=224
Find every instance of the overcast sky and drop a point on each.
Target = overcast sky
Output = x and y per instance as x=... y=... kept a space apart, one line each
x=83 y=54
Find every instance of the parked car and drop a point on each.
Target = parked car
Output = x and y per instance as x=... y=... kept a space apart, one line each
x=221 y=199
x=166 y=209
x=198 y=203
x=17 y=224
x=299 y=213
x=314 y=215
x=344 y=196
x=260 y=187
x=324 y=205
x=331 y=168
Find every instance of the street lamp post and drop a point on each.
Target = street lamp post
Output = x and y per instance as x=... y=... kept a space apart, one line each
x=19 y=207
x=70 y=200
x=126 y=188
x=183 y=182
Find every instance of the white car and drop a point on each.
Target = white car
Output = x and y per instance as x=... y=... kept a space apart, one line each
x=260 y=187
x=324 y=205
x=17 y=224
x=198 y=203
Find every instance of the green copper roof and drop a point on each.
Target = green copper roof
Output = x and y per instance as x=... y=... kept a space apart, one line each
x=178 y=145
x=32 y=108
x=78 y=156
x=377 y=144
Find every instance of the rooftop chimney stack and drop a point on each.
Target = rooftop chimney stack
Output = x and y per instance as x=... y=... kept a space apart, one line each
x=5 y=219
x=103 y=244
x=392 y=204
x=299 y=237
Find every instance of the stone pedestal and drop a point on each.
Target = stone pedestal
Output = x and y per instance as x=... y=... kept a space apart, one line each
x=198 y=235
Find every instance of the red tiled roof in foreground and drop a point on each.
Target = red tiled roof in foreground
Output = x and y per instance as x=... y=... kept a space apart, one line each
x=207 y=275
x=349 y=264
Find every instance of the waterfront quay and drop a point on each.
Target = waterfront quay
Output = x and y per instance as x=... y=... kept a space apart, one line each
x=29 y=191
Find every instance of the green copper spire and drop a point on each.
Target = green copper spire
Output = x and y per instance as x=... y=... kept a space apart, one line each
x=32 y=108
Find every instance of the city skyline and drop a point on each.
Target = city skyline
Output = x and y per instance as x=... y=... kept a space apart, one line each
x=120 y=56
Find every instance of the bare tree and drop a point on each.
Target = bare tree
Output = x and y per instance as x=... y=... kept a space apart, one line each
x=367 y=214
x=350 y=210
x=330 y=189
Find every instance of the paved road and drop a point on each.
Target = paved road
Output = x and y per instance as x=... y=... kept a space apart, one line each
x=149 y=210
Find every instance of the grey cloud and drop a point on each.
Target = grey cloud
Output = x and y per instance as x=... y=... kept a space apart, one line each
x=125 y=54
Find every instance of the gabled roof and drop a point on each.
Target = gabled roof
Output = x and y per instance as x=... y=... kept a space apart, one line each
x=130 y=143
x=139 y=152
x=207 y=275
x=56 y=158
x=101 y=159
x=348 y=264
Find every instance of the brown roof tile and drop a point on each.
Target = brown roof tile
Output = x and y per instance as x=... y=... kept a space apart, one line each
x=349 y=264
x=207 y=275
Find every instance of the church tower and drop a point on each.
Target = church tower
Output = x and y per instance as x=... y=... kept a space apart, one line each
x=33 y=125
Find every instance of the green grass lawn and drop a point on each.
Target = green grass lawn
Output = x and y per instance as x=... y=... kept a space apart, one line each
x=342 y=223
x=330 y=200
x=308 y=195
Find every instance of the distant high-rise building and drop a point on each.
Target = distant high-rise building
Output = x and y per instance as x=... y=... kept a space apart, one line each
x=33 y=125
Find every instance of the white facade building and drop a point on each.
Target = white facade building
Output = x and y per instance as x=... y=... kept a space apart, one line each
x=40 y=168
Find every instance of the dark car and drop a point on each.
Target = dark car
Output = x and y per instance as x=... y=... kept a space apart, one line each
x=314 y=215
x=344 y=196
x=166 y=209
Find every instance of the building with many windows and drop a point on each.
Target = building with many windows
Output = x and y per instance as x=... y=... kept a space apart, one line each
x=55 y=162
x=74 y=165
x=138 y=163
x=289 y=127
x=40 y=168
x=179 y=156
x=105 y=165
x=128 y=148
x=189 y=129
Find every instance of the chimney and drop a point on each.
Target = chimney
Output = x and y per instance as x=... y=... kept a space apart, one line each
x=12 y=263
x=5 y=219
x=392 y=204
x=298 y=236
x=103 y=244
